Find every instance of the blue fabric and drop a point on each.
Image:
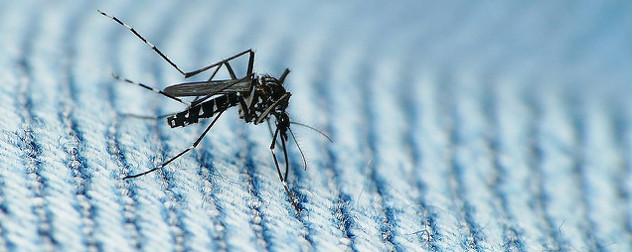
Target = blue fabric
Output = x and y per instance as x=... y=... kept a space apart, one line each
x=463 y=125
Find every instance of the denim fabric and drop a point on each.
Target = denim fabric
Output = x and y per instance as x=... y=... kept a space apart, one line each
x=464 y=125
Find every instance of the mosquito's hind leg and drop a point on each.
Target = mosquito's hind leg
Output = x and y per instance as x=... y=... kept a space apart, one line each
x=195 y=144
x=153 y=47
x=186 y=74
x=231 y=72
x=225 y=62
x=151 y=89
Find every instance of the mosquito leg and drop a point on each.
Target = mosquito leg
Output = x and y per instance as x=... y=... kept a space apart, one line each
x=282 y=146
x=214 y=72
x=252 y=55
x=252 y=96
x=151 y=88
x=283 y=75
x=153 y=47
x=200 y=100
x=195 y=99
x=186 y=74
x=276 y=163
x=251 y=61
x=271 y=107
x=144 y=117
x=274 y=137
x=287 y=162
x=244 y=107
x=230 y=70
x=225 y=62
x=297 y=145
x=269 y=127
x=272 y=146
x=195 y=144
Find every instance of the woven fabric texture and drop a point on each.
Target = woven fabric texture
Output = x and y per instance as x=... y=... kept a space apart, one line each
x=465 y=125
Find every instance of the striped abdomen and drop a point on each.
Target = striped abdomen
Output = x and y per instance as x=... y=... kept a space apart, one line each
x=206 y=109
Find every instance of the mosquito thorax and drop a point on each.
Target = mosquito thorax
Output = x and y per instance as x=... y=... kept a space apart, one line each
x=271 y=90
x=271 y=86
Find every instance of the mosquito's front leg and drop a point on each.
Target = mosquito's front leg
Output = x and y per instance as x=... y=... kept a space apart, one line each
x=276 y=164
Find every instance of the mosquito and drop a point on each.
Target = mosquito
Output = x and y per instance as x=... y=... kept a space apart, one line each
x=259 y=97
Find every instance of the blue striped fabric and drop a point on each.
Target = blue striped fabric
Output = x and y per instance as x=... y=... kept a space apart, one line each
x=463 y=125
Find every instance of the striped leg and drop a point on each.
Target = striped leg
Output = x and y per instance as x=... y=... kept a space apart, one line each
x=195 y=144
x=153 y=47
x=192 y=73
x=151 y=88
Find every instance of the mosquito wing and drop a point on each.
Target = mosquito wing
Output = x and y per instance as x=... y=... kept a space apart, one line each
x=208 y=88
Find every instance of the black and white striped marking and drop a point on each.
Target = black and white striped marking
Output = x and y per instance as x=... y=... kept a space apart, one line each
x=150 y=88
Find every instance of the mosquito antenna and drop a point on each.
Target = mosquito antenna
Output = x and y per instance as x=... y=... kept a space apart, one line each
x=312 y=128
x=299 y=149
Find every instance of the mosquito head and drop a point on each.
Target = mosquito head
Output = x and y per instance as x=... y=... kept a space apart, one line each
x=283 y=123
x=271 y=86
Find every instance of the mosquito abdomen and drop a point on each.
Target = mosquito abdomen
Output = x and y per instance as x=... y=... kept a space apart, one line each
x=206 y=109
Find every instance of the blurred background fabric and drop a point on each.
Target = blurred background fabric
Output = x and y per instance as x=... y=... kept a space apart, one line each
x=457 y=125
